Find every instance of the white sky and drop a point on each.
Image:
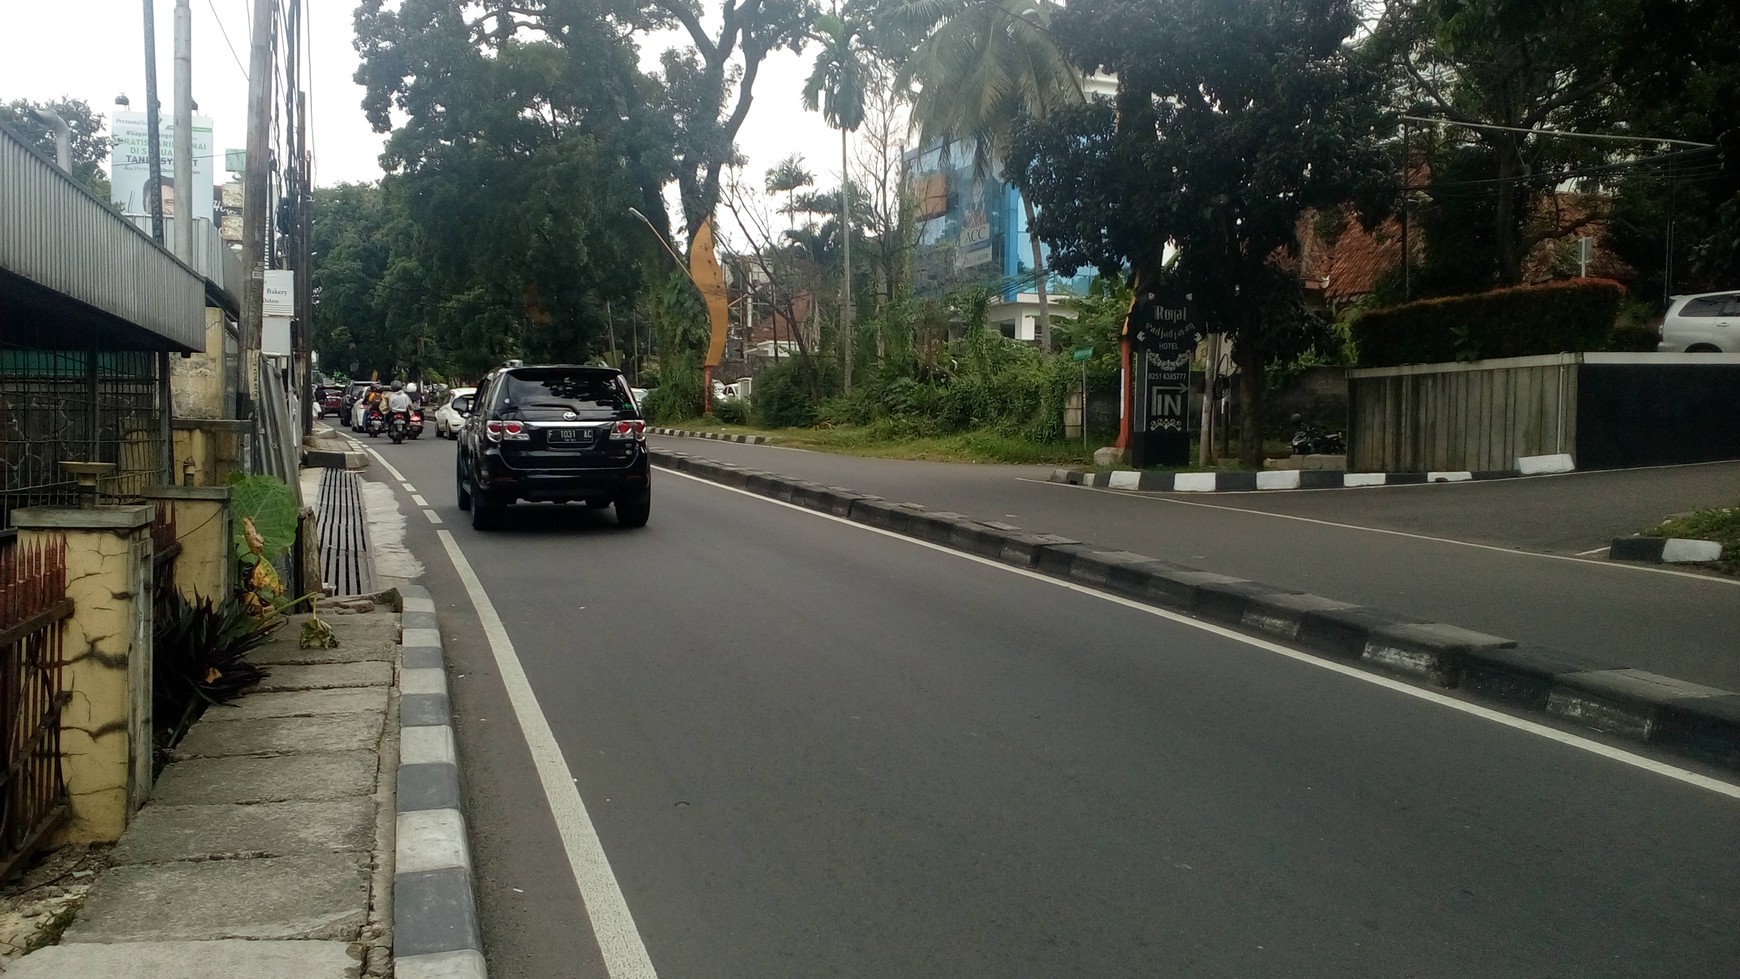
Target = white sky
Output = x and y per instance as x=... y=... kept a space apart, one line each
x=48 y=51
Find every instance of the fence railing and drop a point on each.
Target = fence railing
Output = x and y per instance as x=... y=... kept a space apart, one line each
x=32 y=603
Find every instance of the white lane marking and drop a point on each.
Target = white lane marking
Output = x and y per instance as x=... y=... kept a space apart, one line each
x=1530 y=727
x=387 y=465
x=1603 y=549
x=408 y=487
x=434 y=518
x=1711 y=579
x=625 y=955
x=418 y=499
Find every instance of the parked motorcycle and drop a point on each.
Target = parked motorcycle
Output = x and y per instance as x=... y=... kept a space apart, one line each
x=1309 y=440
x=396 y=426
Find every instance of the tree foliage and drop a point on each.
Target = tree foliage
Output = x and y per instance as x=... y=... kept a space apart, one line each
x=90 y=146
x=1232 y=117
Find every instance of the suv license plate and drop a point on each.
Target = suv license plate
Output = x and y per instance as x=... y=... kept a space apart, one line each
x=569 y=438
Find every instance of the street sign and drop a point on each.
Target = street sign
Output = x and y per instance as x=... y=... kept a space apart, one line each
x=1082 y=353
x=1164 y=332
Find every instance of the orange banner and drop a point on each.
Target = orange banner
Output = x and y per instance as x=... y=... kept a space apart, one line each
x=710 y=279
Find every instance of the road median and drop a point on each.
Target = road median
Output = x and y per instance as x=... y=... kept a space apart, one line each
x=1688 y=719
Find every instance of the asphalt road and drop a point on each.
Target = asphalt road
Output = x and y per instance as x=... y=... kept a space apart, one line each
x=813 y=750
x=1468 y=554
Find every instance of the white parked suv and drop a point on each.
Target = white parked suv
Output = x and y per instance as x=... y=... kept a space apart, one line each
x=1705 y=323
x=447 y=419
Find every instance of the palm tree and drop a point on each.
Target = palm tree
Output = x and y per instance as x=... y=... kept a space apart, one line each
x=836 y=89
x=981 y=67
x=786 y=178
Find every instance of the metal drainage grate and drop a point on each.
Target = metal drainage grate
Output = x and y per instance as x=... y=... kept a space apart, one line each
x=344 y=541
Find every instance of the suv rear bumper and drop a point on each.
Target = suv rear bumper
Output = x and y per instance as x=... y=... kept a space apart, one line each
x=501 y=483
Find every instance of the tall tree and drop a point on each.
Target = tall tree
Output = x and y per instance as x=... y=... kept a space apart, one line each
x=1516 y=71
x=526 y=133
x=90 y=147
x=1231 y=118
x=981 y=67
x=788 y=177
x=836 y=89
x=709 y=87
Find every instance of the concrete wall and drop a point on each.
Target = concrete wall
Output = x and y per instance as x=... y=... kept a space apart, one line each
x=212 y=447
x=203 y=525
x=197 y=381
x=1318 y=393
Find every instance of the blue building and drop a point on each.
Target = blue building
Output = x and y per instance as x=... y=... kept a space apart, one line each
x=973 y=234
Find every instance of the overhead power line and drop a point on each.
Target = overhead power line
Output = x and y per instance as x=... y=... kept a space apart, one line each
x=1565 y=133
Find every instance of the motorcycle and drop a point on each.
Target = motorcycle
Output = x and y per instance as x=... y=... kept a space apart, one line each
x=414 y=424
x=374 y=423
x=1310 y=440
x=397 y=425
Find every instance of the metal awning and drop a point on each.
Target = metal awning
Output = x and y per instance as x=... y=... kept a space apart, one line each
x=69 y=262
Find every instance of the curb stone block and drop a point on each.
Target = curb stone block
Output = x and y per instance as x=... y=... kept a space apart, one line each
x=1343 y=631
x=1225 y=601
x=1022 y=549
x=1431 y=650
x=1125 y=479
x=1404 y=479
x=1707 y=728
x=1194 y=482
x=1282 y=614
x=433 y=912
x=1057 y=559
x=1096 y=568
x=1235 y=482
x=1320 y=478
x=1523 y=676
x=936 y=526
x=1134 y=579
x=1625 y=702
x=1153 y=482
x=1100 y=480
x=1179 y=588
x=978 y=538
x=1663 y=550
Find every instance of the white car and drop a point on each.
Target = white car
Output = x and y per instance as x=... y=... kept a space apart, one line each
x=448 y=421
x=1705 y=323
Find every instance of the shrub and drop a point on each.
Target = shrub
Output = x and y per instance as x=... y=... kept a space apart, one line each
x=200 y=658
x=1558 y=317
x=780 y=399
x=678 y=397
x=1634 y=337
x=734 y=412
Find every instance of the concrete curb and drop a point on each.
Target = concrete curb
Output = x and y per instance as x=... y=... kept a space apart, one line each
x=1293 y=479
x=1688 y=719
x=715 y=436
x=436 y=929
x=1664 y=550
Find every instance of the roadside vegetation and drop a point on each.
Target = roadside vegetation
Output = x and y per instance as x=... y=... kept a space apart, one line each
x=530 y=148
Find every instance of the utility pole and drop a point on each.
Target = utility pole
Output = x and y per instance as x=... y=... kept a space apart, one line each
x=256 y=210
x=846 y=332
x=189 y=206
x=154 y=149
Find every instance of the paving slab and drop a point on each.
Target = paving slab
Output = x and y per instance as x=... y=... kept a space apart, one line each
x=302 y=703
x=212 y=738
x=309 y=777
x=287 y=653
x=327 y=677
x=160 y=834
x=232 y=959
x=321 y=897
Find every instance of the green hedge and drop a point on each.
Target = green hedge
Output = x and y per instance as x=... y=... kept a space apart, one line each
x=1558 y=317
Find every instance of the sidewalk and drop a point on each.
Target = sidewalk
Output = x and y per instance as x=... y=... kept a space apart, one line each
x=267 y=847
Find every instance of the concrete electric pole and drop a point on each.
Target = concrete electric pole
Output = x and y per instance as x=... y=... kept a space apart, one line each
x=189 y=207
x=256 y=187
x=154 y=147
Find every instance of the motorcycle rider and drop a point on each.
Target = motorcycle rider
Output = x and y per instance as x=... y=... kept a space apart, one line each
x=399 y=400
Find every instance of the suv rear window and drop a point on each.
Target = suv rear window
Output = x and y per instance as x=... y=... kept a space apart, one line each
x=1711 y=306
x=578 y=389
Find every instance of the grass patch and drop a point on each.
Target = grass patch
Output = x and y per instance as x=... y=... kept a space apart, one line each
x=981 y=446
x=1720 y=524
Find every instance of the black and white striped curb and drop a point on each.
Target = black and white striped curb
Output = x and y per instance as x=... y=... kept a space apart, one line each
x=1290 y=479
x=436 y=934
x=715 y=436
x=1687 y=718
x=1664 y=550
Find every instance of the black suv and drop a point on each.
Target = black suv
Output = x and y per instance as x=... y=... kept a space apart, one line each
x=554 y=433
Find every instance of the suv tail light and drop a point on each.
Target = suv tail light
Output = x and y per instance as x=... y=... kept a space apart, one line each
x=627 y=429
x=511 y=431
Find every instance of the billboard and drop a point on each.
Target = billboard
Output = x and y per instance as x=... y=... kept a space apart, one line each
x=130 y=167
